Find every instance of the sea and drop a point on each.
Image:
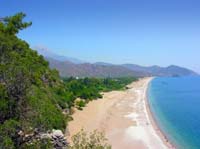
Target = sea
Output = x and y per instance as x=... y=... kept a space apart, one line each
x=175 y=105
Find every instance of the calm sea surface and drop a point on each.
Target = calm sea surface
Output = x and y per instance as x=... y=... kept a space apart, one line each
x=175 y=104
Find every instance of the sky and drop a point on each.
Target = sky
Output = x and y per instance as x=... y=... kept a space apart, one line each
x=145 y=32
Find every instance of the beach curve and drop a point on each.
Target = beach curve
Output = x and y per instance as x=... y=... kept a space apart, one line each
x=125 y=118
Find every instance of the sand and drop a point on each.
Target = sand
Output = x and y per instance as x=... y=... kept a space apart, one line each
x=124 y=117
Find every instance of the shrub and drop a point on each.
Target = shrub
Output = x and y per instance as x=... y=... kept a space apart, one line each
x=93 y=140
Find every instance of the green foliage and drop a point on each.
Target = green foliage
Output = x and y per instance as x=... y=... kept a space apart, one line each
x=91 y=88
x=14 y=24
x=8 y=133
x=38 y=144
x=93 y=140
x=44 y=114
x=31 y=93
x=80 y=103
x=7 y=143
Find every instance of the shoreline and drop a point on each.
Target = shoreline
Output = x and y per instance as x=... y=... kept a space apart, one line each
x=124 y=117
x=154 y=123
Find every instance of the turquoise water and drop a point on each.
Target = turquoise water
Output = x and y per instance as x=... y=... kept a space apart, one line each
x=175 y=104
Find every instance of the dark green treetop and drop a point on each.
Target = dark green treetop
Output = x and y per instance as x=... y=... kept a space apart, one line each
x=12 y=25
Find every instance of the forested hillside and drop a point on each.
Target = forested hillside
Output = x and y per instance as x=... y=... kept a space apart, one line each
x=28 y=88
x=33 y=98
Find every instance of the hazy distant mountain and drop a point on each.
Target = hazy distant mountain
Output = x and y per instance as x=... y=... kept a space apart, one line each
x=67 y=69
x=73 y=67
x=100 y=69
x=161 y=71
x=103 y=64
x=49 y=54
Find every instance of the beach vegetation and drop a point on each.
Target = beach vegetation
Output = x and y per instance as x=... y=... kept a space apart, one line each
x=93 y=140
x=91 y=88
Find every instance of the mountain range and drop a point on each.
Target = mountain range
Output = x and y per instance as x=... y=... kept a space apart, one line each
x=68 y=66
x=49 y=54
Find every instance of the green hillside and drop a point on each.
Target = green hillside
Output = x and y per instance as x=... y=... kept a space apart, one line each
x=28 y=88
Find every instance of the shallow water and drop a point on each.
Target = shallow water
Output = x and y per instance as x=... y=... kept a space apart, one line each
x=175 y=104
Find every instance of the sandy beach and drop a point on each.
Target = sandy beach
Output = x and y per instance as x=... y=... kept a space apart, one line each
x=125 y=118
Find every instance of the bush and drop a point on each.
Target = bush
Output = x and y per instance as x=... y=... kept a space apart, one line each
x=8 y=133
x=93 y=140
x=38 y=144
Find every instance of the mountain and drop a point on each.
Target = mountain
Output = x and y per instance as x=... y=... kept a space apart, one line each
x=67 y=69
x=171 y=70
x=68 y=66
x=103 y=64
x=49 y=54
x=101 y=69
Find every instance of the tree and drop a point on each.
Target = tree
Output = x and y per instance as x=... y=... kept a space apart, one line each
x=28 y=88
x=12 y=25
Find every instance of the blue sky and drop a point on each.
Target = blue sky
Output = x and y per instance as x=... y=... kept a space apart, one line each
x=146 y=32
